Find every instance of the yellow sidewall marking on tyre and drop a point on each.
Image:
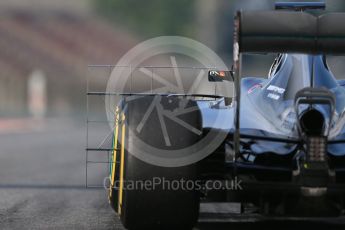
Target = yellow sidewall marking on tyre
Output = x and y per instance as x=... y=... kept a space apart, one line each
x=122 y=162
x=116 y=134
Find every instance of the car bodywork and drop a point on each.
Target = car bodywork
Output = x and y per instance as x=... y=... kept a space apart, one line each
x=286 y=132
x=284 y=135
x=268 y=103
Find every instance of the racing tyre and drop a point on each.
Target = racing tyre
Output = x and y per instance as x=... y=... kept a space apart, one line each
x=165 y=205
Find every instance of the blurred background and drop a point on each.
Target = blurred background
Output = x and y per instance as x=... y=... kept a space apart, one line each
x=46 y=45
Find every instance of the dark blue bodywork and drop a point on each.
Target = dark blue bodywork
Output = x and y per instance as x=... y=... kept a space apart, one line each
x=267 y=105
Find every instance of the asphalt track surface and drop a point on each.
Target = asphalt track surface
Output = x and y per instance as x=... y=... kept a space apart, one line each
x=42 y=186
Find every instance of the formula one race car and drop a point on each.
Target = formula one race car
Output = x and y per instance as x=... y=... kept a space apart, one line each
x=282 y=137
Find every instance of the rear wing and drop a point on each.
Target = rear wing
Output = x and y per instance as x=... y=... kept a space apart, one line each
x=290 y=32
x=300 y=6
